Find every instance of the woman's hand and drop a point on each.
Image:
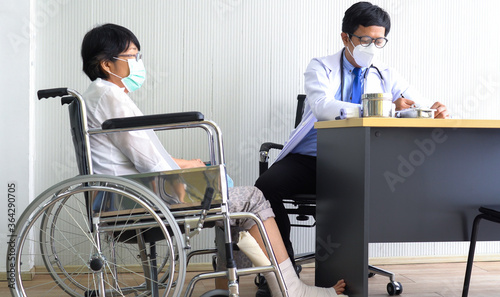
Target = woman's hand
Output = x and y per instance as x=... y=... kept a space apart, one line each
x=189 y=163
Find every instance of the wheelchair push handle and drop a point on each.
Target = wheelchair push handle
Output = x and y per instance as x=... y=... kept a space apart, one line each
x=48 y=93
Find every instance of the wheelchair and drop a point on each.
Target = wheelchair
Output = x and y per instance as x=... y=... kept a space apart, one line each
x=99 y=235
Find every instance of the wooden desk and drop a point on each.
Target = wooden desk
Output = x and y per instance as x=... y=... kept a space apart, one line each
x=399 y=180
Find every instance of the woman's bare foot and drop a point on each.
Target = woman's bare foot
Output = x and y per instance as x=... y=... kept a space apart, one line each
x=340 y=287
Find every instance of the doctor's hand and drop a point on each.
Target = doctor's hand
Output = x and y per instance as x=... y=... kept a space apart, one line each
x=441 y=111
x=403 y=103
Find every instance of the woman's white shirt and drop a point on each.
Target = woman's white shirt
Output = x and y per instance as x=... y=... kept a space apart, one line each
x=126 y=152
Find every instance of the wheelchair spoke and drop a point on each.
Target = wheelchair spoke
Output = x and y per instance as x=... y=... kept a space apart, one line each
x=81 y=228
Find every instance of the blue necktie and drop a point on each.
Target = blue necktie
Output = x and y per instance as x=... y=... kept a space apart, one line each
x=356 y=86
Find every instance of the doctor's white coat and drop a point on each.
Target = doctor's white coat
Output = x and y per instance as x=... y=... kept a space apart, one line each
x=322 y=81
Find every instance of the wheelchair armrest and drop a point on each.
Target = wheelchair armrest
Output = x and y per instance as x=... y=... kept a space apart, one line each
x=152 y=120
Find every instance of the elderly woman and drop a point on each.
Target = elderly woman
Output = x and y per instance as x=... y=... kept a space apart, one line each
x=112 y=60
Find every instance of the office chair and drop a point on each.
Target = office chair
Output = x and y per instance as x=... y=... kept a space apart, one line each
x=303 y=206
x=491 y=214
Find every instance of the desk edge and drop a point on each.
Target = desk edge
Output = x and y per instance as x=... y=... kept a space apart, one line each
x=410 y=123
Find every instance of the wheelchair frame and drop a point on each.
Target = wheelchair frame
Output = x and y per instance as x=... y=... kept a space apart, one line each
x=150 y=217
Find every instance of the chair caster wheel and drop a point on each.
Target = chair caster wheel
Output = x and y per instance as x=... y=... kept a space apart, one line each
x=394 y=288
x=371 y=274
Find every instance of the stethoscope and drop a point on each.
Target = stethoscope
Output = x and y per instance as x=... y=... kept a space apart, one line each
x=364 y=76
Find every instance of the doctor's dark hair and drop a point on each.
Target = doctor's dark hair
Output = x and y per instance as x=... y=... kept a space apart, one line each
x=102 y=44
x=365 y=14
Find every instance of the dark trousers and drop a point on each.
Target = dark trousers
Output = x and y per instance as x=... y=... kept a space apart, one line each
x=294 y=174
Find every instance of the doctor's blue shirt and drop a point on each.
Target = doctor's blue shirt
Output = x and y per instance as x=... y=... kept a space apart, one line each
x=308 y=145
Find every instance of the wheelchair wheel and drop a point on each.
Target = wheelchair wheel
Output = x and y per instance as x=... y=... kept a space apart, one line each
x=70 y=245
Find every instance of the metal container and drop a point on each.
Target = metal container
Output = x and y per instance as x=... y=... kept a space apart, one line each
x=378 y=105
x=416 y=112
x=425 y=113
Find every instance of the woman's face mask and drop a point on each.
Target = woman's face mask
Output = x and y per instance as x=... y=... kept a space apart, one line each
x=137 y=74
x=363 y=55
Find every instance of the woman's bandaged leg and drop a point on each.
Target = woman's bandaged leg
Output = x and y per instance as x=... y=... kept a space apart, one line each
x=251 y=248
x=295 y=287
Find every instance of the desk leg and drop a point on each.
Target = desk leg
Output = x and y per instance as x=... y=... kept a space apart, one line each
x=342 y=210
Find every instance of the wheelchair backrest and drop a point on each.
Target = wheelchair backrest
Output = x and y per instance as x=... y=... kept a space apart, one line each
x=78 y=133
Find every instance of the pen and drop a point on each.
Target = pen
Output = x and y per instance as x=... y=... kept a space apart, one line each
x=414 y=105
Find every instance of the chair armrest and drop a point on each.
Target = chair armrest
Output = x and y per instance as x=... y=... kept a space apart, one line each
x=267 y=146
x=264 y=151
x=153 y=120
x=491 y=210
x=264 y=155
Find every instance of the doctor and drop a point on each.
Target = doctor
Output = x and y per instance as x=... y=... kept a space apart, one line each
x=331 y=83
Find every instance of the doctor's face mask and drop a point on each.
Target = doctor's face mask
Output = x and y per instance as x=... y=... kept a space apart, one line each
x=363 y=55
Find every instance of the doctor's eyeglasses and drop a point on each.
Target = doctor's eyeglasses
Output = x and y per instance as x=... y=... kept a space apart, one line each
x=137 y=56
x=367 y=40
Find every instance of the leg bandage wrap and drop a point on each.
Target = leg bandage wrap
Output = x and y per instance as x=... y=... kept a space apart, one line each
x=251 y=248
x=295 y=287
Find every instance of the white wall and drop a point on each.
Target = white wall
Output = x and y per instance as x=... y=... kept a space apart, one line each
x=241 y=63
x=16 y=132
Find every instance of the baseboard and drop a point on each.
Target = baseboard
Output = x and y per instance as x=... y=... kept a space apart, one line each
x=432 y=259
x=28 y=275
x=389 y=261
